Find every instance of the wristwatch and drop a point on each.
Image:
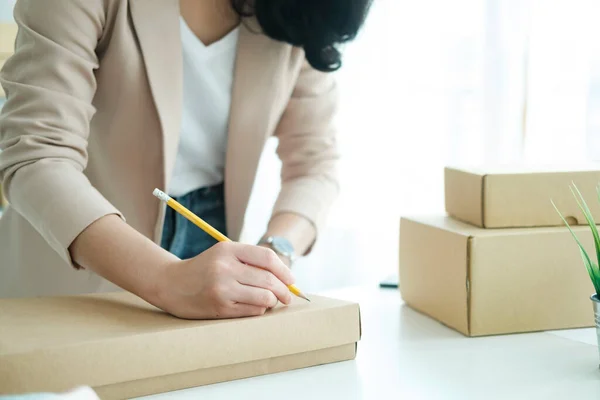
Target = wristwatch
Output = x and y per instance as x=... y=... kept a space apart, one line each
x=281 y=246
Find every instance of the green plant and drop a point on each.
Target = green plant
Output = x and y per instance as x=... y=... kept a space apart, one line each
x=592 y=267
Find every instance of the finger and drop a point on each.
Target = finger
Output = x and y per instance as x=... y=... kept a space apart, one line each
x=264 y=258
x=255 y=296
x=260 y=278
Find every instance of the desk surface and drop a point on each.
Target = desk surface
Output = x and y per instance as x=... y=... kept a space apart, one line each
x=407 y=355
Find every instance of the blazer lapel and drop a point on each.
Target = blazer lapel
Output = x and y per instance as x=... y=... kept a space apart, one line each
x=156 y=23
x=252 y=114
x=252 y=117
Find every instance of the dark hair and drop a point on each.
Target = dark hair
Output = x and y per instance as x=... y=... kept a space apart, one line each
x=318 y=26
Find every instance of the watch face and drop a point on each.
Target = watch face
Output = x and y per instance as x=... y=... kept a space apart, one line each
x=282 y=246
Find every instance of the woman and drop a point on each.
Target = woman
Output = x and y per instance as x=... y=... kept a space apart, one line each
x=109 y=99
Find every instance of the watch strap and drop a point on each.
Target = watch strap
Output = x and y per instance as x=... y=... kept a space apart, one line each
x=280 y=245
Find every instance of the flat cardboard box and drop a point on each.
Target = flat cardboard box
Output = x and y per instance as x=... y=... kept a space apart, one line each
x=495 y=281
x=123 y=347
x=519 y=196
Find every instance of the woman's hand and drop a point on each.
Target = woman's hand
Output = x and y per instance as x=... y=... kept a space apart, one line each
x=228 y=280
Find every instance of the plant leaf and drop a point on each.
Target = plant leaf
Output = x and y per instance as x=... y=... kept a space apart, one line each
x=592 y=268
x=590 y=220
x=592 y=271
x=597 y=281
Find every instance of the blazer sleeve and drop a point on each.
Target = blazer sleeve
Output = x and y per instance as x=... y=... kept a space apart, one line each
x=44 y=125
x=308 y=149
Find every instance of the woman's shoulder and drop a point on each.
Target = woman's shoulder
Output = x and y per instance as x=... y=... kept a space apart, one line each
x=253 y=40
x=49 y=15
x=89 y=22
x=24 y=8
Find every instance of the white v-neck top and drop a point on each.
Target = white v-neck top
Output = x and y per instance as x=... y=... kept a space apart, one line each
x=207 y=84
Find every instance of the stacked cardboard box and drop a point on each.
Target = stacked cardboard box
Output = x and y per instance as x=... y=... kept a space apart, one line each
x=501 y=261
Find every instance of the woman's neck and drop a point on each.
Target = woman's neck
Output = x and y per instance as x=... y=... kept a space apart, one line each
x=210 y=20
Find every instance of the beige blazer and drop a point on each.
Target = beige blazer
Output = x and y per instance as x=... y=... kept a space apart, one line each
x=91 y=127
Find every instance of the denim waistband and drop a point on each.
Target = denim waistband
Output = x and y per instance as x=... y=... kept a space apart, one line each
x=183 y=238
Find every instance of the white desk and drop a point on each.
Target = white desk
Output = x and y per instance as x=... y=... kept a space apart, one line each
x=408 y=356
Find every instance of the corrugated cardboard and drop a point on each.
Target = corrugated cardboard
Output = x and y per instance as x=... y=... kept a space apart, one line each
x=123 y=347
x=519 y=196
x=494 y=281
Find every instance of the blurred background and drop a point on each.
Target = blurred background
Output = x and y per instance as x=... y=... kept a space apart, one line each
x=6 y=7
x=433 y=83
x=6 y=10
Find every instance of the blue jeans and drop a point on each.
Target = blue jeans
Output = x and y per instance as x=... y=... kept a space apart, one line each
x=183 y=238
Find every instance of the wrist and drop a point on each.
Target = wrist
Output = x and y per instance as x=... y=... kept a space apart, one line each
x=152 y=289
x=156 y=288
x=281 y=246
x=295 y=228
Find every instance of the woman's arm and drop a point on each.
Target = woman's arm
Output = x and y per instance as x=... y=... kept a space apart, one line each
x=308 y=151
x=120 y=254
x=45 y=123
x=229 y=280
x=44 y=128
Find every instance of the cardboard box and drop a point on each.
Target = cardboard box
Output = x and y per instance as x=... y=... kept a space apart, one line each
x=519 y=197
x=495 y=281
x=123 y=347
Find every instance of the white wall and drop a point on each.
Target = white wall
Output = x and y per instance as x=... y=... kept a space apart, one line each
x=426 y=84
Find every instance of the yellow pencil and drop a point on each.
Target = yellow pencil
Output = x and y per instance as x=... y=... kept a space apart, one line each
x=200 y=223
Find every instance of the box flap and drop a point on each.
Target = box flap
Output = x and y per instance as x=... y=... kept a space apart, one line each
x=104 y=339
